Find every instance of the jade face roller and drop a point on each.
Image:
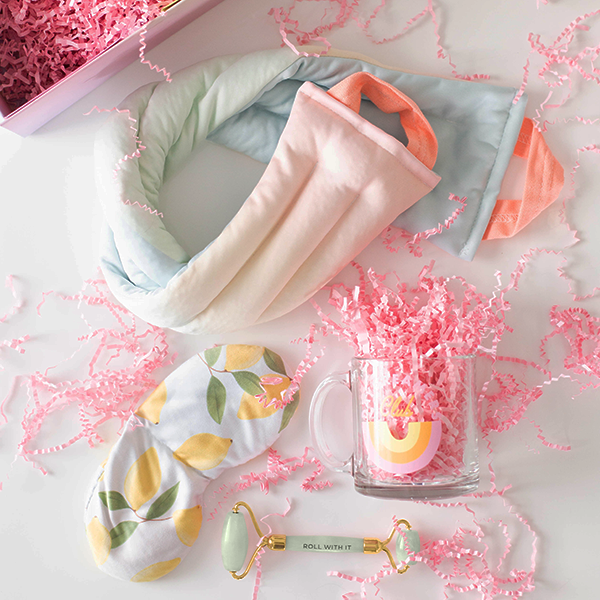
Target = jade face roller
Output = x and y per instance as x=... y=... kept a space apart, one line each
x=234 y=543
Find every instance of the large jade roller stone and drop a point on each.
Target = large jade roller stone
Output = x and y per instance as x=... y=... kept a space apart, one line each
x=234 y=541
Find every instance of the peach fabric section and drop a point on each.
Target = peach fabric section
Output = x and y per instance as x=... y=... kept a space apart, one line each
x=422 y=142
x=543 y=182
x=334 y=183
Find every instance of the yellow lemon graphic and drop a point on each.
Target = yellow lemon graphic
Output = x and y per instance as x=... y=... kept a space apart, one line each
x=99 y=538
x=187 y=524
x=143 y=479
x=253 y=408
x=203 y=451
x=153 y=404
x=240 y=356
x=159 y=569
x=275 y=390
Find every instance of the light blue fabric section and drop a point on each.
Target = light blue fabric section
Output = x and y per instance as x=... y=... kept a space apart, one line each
x=127 y=281
x=476 y=125
x=146 y=266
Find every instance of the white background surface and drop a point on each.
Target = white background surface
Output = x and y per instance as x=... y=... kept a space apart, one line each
x=49 y=234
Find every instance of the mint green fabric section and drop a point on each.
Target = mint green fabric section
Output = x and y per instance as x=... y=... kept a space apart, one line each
x=170 y=120
x=323 y=543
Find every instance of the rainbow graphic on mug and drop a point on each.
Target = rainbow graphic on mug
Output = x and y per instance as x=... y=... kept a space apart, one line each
x=407 y=455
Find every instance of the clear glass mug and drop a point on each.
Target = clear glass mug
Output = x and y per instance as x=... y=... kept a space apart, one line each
x=415 y=427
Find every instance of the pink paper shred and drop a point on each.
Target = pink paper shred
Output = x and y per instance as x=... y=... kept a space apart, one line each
x=42 y=41
x=145 y=61
x=428 y=318
x=338 y=13
x=107 y=391
x=305 y=365
x=463 y=562
x=278 y=469
x=391 y=234
x=139 y=147
x=560 y=53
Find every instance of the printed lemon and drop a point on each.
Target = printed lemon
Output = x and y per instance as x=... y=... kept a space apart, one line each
x=153 y=405
x=143 y=479
x=187 y=524
x=251 y=408
x=203 y=451
x=159 y=569
x=240 y=356
x=274 y=390
x=99 y=539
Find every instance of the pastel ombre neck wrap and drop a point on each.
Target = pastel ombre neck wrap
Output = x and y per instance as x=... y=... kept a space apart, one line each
x=333 y=184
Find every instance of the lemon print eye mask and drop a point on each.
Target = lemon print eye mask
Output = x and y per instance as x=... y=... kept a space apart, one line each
x=218 y=410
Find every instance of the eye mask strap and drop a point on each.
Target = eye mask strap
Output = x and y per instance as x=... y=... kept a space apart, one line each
x=543 y=181
x=422 y=142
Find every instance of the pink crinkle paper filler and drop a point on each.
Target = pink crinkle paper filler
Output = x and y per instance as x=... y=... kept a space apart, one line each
x=41 y=41
x=121 y=354
x=427 y=320
x=113 y=366
x=437 y=317
x=420 y=327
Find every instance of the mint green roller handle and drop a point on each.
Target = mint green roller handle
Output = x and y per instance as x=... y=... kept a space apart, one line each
x=234 y=541
x=323 y=543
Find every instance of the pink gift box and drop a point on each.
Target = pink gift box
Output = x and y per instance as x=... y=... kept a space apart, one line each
x=45 y=106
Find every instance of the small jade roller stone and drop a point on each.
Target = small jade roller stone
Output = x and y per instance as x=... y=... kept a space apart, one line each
x=414 y=543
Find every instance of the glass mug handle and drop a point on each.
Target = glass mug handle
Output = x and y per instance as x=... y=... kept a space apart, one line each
x=315 y=422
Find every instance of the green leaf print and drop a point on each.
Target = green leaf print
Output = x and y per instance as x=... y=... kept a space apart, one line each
x=289 y=410
x=113 y=500
x=122 y=532
x=212 y=355
x=216 y=397
x=163 y=503
x=274 y=362
x=249 y=382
